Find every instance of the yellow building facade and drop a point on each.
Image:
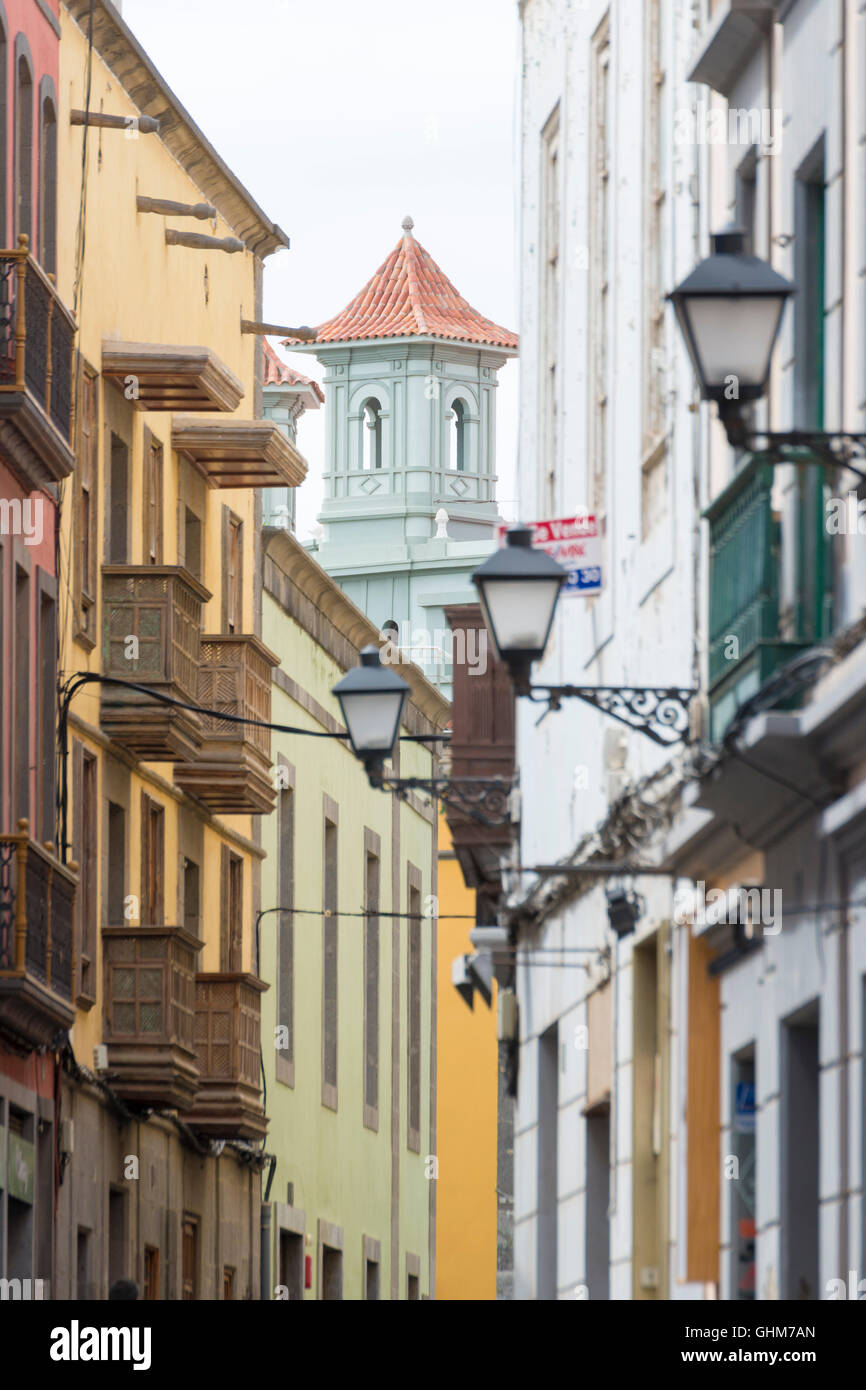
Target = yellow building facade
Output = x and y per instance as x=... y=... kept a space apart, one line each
x=467 y=1105
x=160 y=586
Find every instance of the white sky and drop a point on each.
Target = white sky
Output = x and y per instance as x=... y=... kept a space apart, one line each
x=341 y=116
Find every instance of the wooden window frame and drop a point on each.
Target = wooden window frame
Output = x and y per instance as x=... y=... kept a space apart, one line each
x=150 y=1280
x=87 y=506
x=330 y=934
x=372 y=946
x=231 y=921
x=152 y=502
x=85 y=793
x=285 y=942
x=232 y=572
x=152 y=896
x=414 y=1009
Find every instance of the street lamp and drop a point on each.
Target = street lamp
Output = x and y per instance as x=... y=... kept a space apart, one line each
x=729 y=310
x=518 y=587
x=371 y=699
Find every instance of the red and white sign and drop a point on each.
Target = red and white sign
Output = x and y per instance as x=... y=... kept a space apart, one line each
x=575 y=543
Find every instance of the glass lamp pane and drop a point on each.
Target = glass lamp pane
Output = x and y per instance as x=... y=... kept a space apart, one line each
x=372 y=719
x=519 y=612
x=734 y=336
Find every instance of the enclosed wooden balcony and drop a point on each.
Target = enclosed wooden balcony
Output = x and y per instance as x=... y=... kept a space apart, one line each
x=158 y=376
x=239 y=453
x=227 y=1034
x=232 y=771
x=37 y=903
x=151 y=618
x=482 y=740
x=149 y=1022
x=37 y=334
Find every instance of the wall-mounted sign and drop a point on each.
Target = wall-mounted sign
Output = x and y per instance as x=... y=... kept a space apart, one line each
x=20 y=1169
x=575 y=543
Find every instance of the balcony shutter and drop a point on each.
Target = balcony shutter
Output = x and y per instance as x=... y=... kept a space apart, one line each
x=225 y=910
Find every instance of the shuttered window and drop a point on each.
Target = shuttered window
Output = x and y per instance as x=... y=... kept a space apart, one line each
x=371 y=979
x=330 y=941
x=231 y=911
x=152 y=862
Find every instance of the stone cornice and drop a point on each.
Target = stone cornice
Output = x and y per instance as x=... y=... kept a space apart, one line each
x=302 y=588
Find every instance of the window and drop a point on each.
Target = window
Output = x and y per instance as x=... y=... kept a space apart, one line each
x=372 y=1269
x=21 y=711
x=85 y=851
x=329 y=957
x=189 y=1260
x=152 y=500
x=47 y=689
x=116 y=865
x=116 y=1236
x=117 y=520
x=332 y=1273
x=232 y=571
x=83 y=1252
x=228 y=1282
x=413 y=1286
x=413 y=1031
x=191 y=903
x=286 y=930
x=23 y=148
x=86 y=473
x=457 y=451
x=371 y=434
x=231 y=914
x=598 y=260
x=48 y=184
x=152 y=862
x=371 y=979
x=292 y=1263
x=550 y=234
x=192 y=542
x=654 y=484
x=150 y=1289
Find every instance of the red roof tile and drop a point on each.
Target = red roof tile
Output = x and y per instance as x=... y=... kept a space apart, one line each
x=279 y=373
x=409 y=296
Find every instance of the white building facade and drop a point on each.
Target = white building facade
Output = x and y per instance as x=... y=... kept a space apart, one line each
x=690 y=1094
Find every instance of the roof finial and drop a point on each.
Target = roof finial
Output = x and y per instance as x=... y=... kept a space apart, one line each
x=407 y=224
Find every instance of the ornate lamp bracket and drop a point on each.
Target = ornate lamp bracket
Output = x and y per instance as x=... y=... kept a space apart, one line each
x=660 y=712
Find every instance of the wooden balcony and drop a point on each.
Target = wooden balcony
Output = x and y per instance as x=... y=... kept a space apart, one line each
x=232 y=771
x=149 y=1023
x=151 y=618
x=37 y=335
x=239 y=453
x=227 y=1034
x=482 y=739
x=37 y=902
x=157 y=376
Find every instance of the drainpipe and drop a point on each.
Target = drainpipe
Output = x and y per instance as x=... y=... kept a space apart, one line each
x=267 y=1211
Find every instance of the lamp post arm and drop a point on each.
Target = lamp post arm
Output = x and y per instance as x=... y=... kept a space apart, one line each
x=660 y=712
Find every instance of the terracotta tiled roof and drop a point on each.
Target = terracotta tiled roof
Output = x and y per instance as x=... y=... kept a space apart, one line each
x=409 y=296
x=279 y=373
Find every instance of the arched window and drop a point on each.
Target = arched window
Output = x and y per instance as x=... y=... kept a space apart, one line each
x=48 y=184
x=371 y=434
x=23 y=147
x=457 y=443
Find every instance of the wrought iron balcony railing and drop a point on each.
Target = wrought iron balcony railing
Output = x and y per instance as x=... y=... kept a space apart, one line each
x=37 y=338
x=37 y=904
